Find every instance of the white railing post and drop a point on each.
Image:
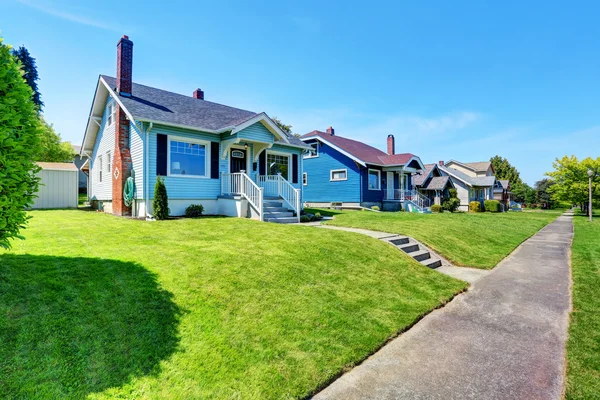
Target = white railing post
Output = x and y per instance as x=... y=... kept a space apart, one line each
x=297 y=203
x=260 y=204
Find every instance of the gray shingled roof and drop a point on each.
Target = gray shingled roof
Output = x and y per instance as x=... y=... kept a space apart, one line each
x=437 y=183
x=471 y=180
x=419 y=179
x=151 y=104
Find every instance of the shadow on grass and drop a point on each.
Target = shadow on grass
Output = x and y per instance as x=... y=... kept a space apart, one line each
x=74 y=326
x=323 y=211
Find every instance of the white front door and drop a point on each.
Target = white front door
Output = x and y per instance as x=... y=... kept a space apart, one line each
x=390 y=186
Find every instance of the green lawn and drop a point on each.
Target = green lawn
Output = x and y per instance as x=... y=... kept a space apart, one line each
x=214 y=308
x=583 y=347
x=479 y=240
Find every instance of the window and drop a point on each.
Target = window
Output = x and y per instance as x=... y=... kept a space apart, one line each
x=277 y=163
x=374 y=179
x=338 y=175
x=111 y=115
x=314 y=152
x=108 y=162
x=188 y=158
x=100 y=169
x=305 y=179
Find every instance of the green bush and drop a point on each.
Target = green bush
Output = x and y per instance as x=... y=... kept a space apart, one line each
x=194 y=210
x=451 y=204
x=160 y=204
x=475 y=206
x=492 y=205
x=19 y=145
x=318 y=216
x=436 y=208
x=304 y=218
x=375 y=208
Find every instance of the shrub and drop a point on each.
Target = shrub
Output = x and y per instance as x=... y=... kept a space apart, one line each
x=375 y=208
x=318 y=216
x=19 y=144
x=492 y=205
x=304 y=218
x=194 y=210
x=475 y=206
x=436 y=208
x=453 y=193
x=451 y=204
x=160 y=204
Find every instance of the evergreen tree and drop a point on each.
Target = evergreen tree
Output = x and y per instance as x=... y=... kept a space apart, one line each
x=19 y=141
x=504 y=170
x=29 y=73
x=160 y=204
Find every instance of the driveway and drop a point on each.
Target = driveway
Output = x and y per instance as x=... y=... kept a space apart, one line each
x=503 y=339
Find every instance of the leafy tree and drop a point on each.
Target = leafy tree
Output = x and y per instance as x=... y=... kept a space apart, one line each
x=286 y=128
x=30 y=73
x=19 y=141
x=543 y=194
x=572 y=181
x=52 y=148
x=523 y=193
x=160 y=204
x=504 y=170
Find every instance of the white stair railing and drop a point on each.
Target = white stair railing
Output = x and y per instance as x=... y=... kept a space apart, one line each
x=277 y=185
x=239 y=183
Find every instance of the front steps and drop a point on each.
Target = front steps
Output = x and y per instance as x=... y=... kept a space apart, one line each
x=416 y=251
x=274 y=211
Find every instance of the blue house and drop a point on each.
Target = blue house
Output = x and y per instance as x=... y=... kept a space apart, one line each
x=232 y=161
x=354 y=174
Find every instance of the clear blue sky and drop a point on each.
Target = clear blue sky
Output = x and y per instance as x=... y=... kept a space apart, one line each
x=452 y=80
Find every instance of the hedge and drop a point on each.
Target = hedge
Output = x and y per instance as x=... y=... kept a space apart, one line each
x=475 y=206
x=492 y=206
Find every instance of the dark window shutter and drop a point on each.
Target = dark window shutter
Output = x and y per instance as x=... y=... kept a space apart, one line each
x=262 y=163
x=295 y=168
x=214 y=160
x=161 y=155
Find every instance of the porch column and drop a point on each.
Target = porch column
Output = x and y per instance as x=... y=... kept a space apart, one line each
x=437 y=199
x=402 y=186
x=390 y=186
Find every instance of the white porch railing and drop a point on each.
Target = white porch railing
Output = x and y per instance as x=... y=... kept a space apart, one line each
x=239 y=183
x=276 y=185
x=411 y=195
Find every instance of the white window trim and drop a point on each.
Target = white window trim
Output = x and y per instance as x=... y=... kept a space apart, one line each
x=100 y=166
x=109 y=162
x=331 y=172
x=378 y=178
x=304 y=178
x=311 y=154
x=112 y=114
x=248 y=157
x=280 y=153
x=206 y=145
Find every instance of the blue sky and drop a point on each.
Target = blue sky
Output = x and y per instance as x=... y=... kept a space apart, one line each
x=451 y=80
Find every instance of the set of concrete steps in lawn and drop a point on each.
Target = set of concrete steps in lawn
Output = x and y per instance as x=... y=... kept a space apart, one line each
x=274 y=211
x=415 y=250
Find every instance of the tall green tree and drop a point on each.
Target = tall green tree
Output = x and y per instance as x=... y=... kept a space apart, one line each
x=572 y=181
x=19 y=142
x=286 y=128
x=30 y=73
x=504 y=170
x=523 y=193
x=52 y=148
x=543 y=194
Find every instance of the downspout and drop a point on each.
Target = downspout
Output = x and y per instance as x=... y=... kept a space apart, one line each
x=147 y=167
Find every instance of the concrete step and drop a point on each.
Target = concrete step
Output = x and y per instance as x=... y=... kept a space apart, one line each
x=421 y=255
x=399 y=241
x=272 y=198
x=274 y=209
x=282 y=220
x=281 y=213
x=410 y=248
x=432 y=263
x=273 y=204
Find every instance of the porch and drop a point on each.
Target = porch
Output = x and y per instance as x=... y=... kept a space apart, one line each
x=398 y=189
x=270 y=198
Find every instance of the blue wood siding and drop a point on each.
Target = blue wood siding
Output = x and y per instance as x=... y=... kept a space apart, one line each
x=184 y=187
x=256 y=132
x=320 y=188
x=105 y=143
x=136 y=148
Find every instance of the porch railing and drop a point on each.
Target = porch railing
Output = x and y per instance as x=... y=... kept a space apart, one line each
x=407 y=195
x=241 y=184
x=276 y=185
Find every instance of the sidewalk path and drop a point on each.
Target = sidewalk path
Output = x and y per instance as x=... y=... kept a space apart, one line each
x=503 y=339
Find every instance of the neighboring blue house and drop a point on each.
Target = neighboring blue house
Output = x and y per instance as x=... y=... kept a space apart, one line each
x=232 y=161
x=342 y=170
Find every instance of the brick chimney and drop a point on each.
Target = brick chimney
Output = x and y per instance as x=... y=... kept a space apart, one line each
x=331 y=131
x=391 y=145
x=124 y=65
x=441 y=163
x=121 y=163
x=198 y=94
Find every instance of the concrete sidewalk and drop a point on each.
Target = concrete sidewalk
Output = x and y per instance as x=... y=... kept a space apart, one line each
x=503 y=339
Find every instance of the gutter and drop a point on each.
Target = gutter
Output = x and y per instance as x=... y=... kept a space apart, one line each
x=146 y=167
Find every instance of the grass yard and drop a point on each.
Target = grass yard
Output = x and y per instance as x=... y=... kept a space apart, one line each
x=583 y=347
x=98 y=306
x=479 y=240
